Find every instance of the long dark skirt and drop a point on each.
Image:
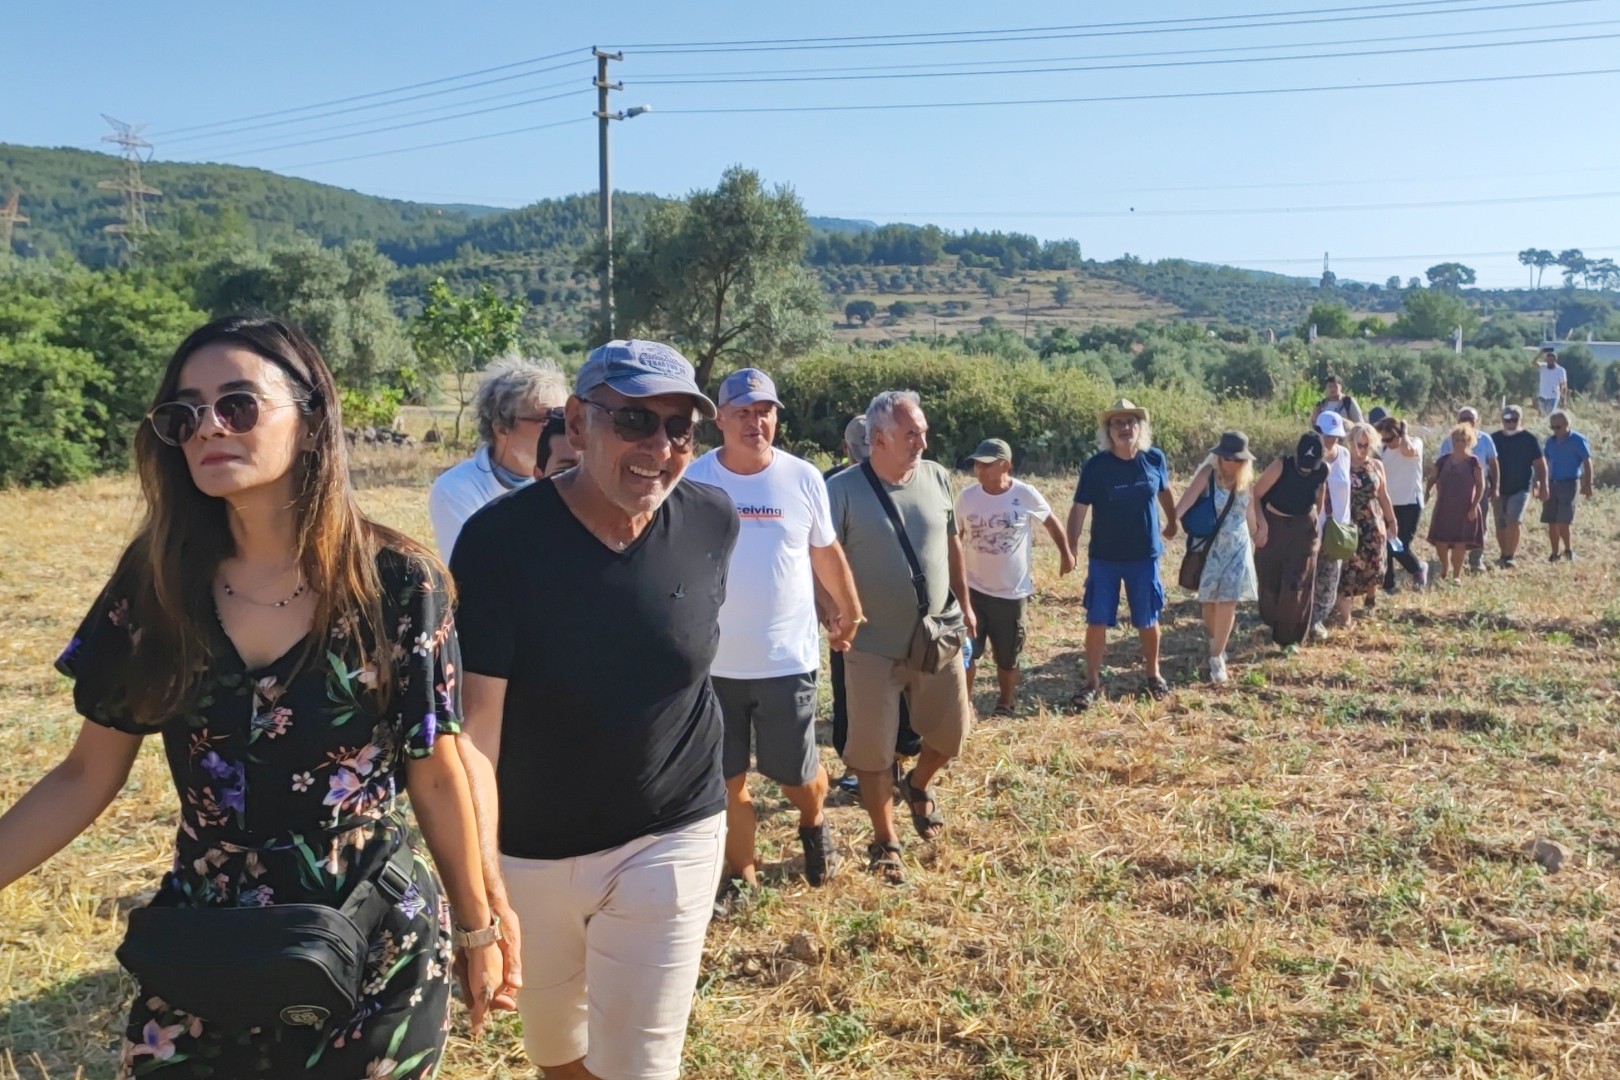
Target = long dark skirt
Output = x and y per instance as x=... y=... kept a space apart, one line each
x=1286 y=567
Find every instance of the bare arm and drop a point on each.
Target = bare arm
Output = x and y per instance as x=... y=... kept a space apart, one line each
x=1167 y=504
x=1476 y=491
x=1586 y=478
x=442 y=799
x=959 y=585
x=1383 y=498
x=1055 y=531
x=836 y=583
x=1268 y=479
x=1195 y=488
x=1539 y=484
x=1077 y=521
x=1493 y=481
x=483 y=704
x=66 y=800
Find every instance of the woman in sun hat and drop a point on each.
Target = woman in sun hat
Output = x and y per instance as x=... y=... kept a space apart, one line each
x=1127 y=483
x=1227 y=474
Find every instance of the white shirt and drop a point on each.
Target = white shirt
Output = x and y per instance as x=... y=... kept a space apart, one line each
x=998 y=534
x=1403 y=475
x=457 y=494
x=1338 y=486
x=1552 y=380
x=768 y=622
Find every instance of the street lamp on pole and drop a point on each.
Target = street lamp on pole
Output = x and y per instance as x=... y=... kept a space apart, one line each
x=605 y=177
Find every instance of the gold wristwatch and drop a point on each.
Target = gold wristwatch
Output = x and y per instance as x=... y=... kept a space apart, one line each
x=477 y=939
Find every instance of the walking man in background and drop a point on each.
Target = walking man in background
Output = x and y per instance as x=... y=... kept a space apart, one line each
x=1569 y=467
x=997 y=518
x=1522 y=473
x=877 y=674
x=1335 y=400
x=764 y=671
x=1552 y=385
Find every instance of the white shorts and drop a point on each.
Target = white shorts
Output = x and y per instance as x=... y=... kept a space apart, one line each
x=611 y=947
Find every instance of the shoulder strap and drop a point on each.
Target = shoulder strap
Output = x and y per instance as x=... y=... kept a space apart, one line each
x=1231 y=497
x=919 y=581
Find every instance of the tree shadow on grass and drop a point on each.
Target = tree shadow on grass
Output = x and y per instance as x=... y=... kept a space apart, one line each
x=72 y=1029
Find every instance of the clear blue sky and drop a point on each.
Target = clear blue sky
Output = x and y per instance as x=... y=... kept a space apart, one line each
x=1203 y=176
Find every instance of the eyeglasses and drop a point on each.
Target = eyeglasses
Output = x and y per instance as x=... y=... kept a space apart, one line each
x=556 y=412
x=1560 y=427
x=175 y=422
x=632 y=423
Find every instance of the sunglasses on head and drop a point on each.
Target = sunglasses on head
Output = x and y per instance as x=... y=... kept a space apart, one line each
x=175 y=422
x=632 y=423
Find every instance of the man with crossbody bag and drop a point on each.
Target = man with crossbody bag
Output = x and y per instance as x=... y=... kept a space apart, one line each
x=896 y=520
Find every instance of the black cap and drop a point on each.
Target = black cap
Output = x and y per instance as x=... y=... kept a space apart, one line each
x=1308 y=454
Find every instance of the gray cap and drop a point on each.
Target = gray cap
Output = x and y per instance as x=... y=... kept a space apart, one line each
x=640 y=369
x=1512 y=411
x=747 y=387
x=992 y=450
x=855 y=438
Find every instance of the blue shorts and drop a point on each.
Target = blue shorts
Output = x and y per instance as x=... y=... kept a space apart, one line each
x=1143 y=591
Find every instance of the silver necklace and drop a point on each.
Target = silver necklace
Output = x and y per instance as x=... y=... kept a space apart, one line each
x=296 y=593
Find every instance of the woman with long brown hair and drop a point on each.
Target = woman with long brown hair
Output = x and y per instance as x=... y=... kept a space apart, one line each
x=300 y=664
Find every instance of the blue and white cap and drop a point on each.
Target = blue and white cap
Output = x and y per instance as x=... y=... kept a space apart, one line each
x=639 y=369
x=748 y=386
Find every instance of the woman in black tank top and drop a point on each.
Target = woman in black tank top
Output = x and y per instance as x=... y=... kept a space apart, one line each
x=1290 y=493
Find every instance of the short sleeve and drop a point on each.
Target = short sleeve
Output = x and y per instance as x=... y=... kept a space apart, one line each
x=485 y=613
x=1535 y=449
x=428 y=661
x=1162 y=464
x=821 y=522
x=838 y=509
x=1084 y=490
x=1039 y=508
x=947 y=497
x=97 y=659
x=1445 y=448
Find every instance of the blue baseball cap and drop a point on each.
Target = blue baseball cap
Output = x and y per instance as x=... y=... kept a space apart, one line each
x=748 y=386
x=639 y=369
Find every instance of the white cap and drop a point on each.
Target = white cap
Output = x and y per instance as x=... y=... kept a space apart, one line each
x=1330 y=423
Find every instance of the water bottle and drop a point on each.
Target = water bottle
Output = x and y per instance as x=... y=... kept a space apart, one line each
x=1395 y=545
x=967 y=653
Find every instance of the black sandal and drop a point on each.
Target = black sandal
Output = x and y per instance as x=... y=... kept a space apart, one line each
x=1084 y=697
x=922 y=822
x=820 y=860
x=1156 y=688
x=884 y=860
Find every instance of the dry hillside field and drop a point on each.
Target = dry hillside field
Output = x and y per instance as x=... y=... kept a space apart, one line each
x=1315 y=871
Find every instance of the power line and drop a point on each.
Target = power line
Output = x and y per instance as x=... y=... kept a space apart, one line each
x=1093 y=30
x=436 y=145
x=1311 y=260
x=890 y=106
x=1137 y=55
x=413 y=123
x=947 y=34
x=396 y=116
x=1238 y=211
x=382 y=104
x=1131 y=67
x=376 y=93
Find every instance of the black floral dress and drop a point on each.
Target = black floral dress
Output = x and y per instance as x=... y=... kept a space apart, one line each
x=289 y=789
x=1365 y=570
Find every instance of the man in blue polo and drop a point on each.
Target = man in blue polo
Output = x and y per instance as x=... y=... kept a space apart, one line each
x=1126 y=486
x=1569 y=467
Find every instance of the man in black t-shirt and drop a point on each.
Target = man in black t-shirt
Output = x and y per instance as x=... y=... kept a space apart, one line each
x=1523 y=474
x=588 y=618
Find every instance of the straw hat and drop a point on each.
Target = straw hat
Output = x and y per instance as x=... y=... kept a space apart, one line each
x=1123 y=407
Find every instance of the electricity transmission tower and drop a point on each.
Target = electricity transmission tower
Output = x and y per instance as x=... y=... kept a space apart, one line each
x=136 y=152
x=10 y=218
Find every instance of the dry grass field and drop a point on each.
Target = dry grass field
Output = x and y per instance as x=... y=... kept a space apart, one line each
x=1315 y=871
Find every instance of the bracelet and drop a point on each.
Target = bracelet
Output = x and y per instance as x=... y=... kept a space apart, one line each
x=477 y=939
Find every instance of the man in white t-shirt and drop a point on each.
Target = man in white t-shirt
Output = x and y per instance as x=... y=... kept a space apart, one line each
x=1553 y=381
x=764 y=672
x=997 y=517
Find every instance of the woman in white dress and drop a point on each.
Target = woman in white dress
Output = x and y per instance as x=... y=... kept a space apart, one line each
x=1227 y=475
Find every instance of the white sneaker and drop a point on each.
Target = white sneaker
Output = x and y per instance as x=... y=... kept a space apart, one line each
x=1217 y=668
x=1319 y=632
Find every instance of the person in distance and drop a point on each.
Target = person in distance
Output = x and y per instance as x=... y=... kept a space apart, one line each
x=1522 y=474
x=1569 y=469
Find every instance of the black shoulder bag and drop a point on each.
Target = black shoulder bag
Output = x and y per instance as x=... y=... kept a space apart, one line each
x=247 y=967
x=938 y=639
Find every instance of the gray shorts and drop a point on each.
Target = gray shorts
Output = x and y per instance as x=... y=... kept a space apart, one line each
x=1546 y=404
x=775 y=718
x=1001 y=623
x=1509 y=509
x=1559 y=509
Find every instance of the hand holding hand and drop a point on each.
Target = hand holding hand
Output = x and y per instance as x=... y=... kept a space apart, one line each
x=841 y=632
x=1169 y=528
x=1065 y=562
x=483 y=977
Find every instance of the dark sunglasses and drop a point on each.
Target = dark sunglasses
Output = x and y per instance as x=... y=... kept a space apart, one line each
x=175 y=422
x=633 y=424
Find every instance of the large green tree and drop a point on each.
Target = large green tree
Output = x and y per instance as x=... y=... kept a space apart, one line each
x=720 y=275
x=459 y=335
x=1330 y=320
x=1433 y=313
x=338 y=296
x=1538 y=259
x=1450 y=276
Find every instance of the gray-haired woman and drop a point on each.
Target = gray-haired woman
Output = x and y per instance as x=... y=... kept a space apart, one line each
x=511 y=408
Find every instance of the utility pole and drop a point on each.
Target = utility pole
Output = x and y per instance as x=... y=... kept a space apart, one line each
x=1026 y=313
x=605 y=194
x=136 y=151
x=10 y=218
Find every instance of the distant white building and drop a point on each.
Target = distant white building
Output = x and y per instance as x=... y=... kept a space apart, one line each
x=1604 y=352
